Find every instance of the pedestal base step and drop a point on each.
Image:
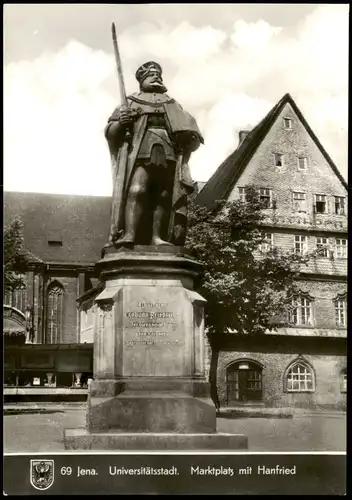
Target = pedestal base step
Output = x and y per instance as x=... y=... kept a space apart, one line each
x=81 y=439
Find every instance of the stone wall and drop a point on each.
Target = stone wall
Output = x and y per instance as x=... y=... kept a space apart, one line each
x=326 y=365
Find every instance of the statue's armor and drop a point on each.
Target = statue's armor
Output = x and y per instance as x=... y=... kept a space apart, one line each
x=156 y=136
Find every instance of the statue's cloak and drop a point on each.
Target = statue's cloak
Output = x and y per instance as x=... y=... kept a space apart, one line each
x=123 y=158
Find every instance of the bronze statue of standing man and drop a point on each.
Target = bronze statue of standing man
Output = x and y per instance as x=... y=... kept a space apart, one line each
x=151 y=139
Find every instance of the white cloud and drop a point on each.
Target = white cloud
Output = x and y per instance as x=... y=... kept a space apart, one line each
x=253 y=36
x=178 y=44
x=56 y=106
x=54 y=114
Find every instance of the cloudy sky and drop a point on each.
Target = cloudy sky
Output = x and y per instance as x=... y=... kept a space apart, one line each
x=227 y=64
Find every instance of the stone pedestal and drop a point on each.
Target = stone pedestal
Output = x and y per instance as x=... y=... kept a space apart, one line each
x=149 y=390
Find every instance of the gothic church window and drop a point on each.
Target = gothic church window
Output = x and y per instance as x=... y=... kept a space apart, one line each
x=17 y=297
x=55 y=296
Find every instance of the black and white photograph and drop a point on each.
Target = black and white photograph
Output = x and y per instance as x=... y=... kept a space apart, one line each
x=175 y=248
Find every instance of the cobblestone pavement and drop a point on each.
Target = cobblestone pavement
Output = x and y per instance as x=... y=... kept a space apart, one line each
x=315 y=431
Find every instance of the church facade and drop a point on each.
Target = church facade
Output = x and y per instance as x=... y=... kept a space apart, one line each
x=303 y=365
x=63 y=236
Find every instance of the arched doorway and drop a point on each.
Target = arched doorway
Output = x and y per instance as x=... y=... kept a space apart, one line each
x=244 y=382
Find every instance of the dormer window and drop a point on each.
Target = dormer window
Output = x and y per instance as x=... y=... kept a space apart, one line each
x=265 y=196
x=288 y=123
x=299 y=201
x=302 y=163
x=340 y=205
x=320 y=204
x=278 y=159
x=54 y=238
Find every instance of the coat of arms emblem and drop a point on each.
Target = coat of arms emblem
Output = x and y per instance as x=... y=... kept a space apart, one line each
x=42 y=474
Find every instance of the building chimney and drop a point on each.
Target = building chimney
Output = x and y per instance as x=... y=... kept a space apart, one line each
x=242 y=134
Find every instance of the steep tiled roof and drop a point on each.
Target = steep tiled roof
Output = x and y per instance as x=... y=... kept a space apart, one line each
x=221 y=183
x=81 y=222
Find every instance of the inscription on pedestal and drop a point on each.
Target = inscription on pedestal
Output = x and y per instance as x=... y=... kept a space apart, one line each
x=153 y=338
x=153 y=328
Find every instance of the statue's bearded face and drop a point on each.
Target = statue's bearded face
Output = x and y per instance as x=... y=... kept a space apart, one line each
x=153 y=83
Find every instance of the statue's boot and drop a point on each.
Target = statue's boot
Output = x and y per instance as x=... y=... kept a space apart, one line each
x=112 y=238
x=158 y=241
x=109 y=244
x=125 y=241
x=159 y=215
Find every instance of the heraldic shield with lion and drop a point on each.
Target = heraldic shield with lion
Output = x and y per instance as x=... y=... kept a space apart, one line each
x=42 y=474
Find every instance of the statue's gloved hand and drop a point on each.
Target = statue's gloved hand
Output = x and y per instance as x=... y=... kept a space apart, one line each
x=125 y=116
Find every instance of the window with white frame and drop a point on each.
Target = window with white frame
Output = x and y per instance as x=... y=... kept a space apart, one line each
x=288 y=123
x=301 y=244
x=340 y=205
x=320 y=204
x=278 y=159
x=341 y=248
x=242 y=194
x=322 y=246
x=343 y=380
x=268 y=242
x=341 y=311
x=300 y=378
x=302 y=163
x=299 y=201
x=265 y=196
x=301 y=311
